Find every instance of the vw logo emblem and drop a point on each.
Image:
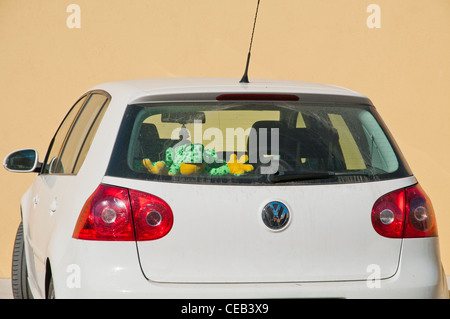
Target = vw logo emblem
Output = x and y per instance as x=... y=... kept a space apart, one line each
x=275 y=215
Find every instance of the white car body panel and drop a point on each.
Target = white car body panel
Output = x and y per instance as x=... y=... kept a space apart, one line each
x=318 y=245
x=116 y=274
x=196 y=266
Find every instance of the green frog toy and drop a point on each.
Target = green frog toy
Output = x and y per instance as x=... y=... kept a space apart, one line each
x=192 y=159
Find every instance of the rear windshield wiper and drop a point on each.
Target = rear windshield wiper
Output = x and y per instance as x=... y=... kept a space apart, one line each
x=308 y=175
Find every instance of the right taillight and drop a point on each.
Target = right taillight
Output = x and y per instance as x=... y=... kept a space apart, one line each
x=404 y=213
x=118 y=214
x=420 y=218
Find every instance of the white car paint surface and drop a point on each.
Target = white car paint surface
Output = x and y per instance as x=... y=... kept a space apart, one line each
x=218 y=245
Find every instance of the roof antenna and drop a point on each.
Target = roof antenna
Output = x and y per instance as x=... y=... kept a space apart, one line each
x=245 y=76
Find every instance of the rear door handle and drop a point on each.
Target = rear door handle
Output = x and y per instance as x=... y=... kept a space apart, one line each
x=35 y=200
x=53 y=206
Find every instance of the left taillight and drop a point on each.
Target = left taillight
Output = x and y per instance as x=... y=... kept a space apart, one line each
x=118 y=214
x=153 y=218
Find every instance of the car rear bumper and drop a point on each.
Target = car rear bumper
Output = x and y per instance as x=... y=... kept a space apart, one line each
x=419 y=275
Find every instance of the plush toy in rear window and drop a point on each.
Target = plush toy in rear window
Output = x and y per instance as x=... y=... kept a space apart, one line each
x=191 y=159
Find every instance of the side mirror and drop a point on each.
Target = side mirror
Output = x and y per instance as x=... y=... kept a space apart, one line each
x=23 y=161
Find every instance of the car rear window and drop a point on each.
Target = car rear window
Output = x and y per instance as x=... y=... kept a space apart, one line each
x=255 y=143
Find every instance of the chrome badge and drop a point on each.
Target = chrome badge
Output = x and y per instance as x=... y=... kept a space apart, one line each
x=275 y=215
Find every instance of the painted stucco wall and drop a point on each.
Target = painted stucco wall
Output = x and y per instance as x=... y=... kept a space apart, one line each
x=397 y=52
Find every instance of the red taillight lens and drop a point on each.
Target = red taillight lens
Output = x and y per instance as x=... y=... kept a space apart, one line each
x=420 y=221
x=109 y=213
x=388 y=214
x=106 y=215
x=257 y=97
x=153 y=217
x=404 y=213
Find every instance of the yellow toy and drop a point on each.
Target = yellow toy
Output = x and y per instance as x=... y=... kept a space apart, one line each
x=191 y=159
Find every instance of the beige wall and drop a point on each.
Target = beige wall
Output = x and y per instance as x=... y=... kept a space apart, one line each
x=404 y=67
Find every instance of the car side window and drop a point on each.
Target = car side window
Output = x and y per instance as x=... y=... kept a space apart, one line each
x=51 y=160
x=98 y=101
x=81 y=134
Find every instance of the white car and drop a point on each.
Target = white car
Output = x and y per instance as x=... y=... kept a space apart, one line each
x=211 y=188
